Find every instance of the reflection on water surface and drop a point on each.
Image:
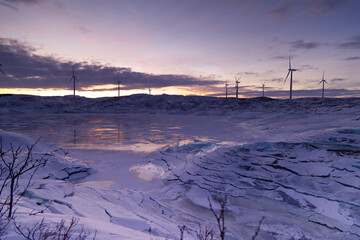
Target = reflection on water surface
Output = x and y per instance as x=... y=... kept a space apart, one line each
x=95 y=131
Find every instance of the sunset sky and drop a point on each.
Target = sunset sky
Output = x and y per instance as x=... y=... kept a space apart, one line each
x=189 y=47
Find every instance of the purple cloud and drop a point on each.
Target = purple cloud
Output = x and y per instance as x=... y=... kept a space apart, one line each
x=287 y=9
x=12 y=4
x=352 y=42
x=278 y=80
x=352 y=58
x=337 y=79
x=82 y=29
x=27 y=2
x=4 y=4
x=26 y=69
x=300 y=44
x=281 y=57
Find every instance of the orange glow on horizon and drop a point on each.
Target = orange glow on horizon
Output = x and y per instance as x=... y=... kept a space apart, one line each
x=36 y=91
x=100 y=87
x=87 y=92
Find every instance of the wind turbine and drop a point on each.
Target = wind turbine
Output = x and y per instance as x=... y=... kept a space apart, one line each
x=291 y=70
x=323 y=81
x=149 y=91
x=73 y=78
x=118 y=82
x=226 y=89
x=2 y=70
x=237 y=85
x=263 y=88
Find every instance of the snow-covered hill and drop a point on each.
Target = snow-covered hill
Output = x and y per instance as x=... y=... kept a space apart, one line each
x=296 y=164
x=142 y=103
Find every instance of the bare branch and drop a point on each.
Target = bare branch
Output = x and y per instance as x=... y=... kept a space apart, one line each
x=182 y=230
x=221 y=217
x=47 y=231
x=206 y=234
x=15 y=164
x=258 y=228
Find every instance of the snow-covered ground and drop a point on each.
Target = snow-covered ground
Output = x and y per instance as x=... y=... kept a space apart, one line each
x=139 y=166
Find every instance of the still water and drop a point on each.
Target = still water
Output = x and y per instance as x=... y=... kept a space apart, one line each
x=111 y=131
x=95 y=131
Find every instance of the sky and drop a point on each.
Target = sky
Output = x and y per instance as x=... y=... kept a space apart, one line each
x=187 y=47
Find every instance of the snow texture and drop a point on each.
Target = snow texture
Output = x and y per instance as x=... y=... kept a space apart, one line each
x=295 y=163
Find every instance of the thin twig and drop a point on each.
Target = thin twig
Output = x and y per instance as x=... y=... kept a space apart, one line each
x=258 y=228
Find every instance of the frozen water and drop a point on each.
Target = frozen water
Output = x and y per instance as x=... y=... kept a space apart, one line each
x=140 y=175
x=147 y=172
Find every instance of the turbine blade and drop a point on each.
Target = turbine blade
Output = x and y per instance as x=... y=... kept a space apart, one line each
x=3 y=72
x=319 y=82
x=287 y=76
x=71 y=79
x=323 y=75
x=289 y=62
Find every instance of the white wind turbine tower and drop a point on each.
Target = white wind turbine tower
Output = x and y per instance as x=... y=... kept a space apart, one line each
x=2 y=70
x=237 y=85
x=323 y=81
x=263 y=89
x=118 y=82
x=73 y=78
x=226 y=89
x=291 y=70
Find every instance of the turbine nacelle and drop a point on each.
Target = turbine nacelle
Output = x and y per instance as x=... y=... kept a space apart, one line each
x=323 y=80
x=73 y=78
x=290 y=71
x=237 y=85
